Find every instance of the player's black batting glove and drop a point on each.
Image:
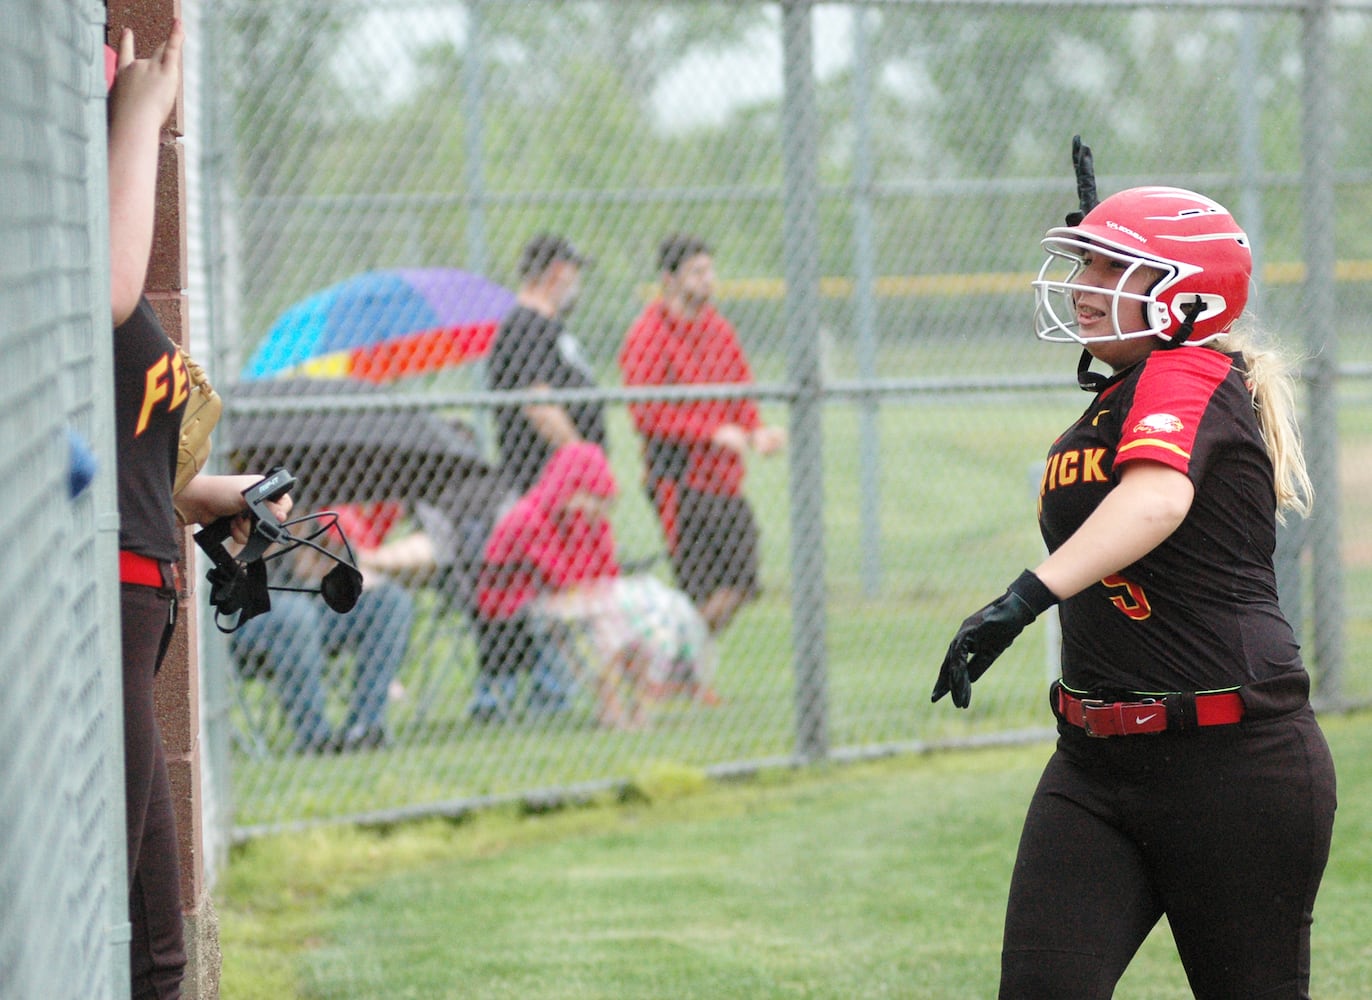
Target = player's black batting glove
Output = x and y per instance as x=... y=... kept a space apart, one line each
x=988 y=633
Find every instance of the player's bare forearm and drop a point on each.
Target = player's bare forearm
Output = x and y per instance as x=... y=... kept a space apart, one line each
x=207 y=498
x=409 y=555
x=132 y=184
x=1149 y=503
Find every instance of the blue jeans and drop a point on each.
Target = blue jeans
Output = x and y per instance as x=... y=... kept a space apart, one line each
x=293 y=641
x=509 y=649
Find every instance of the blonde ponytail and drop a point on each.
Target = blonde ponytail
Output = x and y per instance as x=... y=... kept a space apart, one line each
x=1271 y=380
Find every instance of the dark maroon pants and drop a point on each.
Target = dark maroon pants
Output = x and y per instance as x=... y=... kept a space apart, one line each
x=1225 y=831
x=157 y=955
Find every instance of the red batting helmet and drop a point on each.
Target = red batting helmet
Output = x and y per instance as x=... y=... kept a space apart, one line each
x=1202 y=252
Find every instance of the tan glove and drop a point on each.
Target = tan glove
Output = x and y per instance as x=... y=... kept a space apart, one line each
x=197 y=420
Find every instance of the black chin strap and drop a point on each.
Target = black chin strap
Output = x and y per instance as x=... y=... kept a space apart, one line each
x=1087 y=379
x=1190 y=313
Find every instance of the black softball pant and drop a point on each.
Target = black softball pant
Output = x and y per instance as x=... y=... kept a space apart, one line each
x=157 y=955
x=1225 y=831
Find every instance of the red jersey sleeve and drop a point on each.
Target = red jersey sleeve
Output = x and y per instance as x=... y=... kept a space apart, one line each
x=1173 y=394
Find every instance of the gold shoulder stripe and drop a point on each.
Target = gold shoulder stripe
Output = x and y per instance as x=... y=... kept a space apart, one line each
x=1154 y=443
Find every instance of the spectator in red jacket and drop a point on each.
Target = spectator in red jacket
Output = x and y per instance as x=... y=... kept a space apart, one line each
x=694 y=449
x=555 y=539
x=555 y=536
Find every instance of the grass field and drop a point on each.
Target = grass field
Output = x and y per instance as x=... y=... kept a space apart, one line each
x=871 y=880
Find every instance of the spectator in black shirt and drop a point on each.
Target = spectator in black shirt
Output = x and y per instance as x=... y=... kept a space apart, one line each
x=534 y=350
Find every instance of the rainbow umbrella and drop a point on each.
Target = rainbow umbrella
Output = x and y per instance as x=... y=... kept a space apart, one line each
x=382 y=325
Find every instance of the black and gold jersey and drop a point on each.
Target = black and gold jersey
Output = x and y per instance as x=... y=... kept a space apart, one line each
x=150 y=392
x=1200 y=611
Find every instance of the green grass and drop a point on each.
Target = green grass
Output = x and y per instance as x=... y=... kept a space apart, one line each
x=874 y=880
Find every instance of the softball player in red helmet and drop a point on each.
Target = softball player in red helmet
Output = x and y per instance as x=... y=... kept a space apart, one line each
x=1190 y=778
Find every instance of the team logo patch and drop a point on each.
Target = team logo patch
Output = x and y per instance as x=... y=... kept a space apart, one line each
x=1158 y=423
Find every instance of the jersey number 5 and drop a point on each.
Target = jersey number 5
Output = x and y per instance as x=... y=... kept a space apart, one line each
x=1129 y=597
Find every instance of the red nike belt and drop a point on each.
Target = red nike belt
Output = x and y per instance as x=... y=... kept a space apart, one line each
x=1149 y=715
x=145 y=571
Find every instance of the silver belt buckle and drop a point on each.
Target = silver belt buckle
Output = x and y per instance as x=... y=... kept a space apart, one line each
x=1089 y=705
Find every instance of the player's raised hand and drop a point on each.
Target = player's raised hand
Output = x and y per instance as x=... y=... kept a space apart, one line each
x=148 y=86
x=988 y=633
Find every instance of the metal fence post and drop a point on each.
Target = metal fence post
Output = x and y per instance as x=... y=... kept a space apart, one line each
x=474 y=129
x=1317 y=187
x=1250 y=153
x=864 y=307
x=800 y=234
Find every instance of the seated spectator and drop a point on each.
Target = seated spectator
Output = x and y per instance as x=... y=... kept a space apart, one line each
x=651 y=641
x=293 y=641
x=445 y=553
x=551 y=558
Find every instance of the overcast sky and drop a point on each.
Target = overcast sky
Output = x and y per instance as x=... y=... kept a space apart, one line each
x=376 y=60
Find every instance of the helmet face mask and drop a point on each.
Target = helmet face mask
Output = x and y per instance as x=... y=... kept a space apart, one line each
x=1058 y=285
x=1191 y=241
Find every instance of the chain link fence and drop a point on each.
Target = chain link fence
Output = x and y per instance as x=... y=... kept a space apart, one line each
x=872 y=181
x=63 y=900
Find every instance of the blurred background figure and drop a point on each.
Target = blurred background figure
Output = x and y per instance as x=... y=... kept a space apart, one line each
x=554 y=537
x=291 y=645
x=533 y=349
x=694 y=450
x=551 y=563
